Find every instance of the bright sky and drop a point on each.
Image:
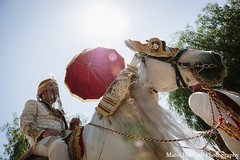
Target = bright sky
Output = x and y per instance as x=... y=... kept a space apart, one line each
x=41 y=37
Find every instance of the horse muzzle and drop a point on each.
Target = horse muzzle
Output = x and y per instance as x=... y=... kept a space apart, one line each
x=211 y=70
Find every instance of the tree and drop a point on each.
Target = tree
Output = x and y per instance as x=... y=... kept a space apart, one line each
x=178 y=101
x=17 y=143
x=217 y=29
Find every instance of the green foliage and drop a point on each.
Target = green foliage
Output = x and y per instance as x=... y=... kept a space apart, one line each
x=178 y=101
x=17 y=143
x=220 y=26
x=217 y=29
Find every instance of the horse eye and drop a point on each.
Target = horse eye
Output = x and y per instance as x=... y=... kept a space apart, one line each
x=185 y=65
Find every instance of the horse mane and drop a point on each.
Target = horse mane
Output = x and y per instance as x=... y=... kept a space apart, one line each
x=140 y=115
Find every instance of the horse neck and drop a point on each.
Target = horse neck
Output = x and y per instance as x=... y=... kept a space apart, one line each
x=141 y=114
x=133 y=108
x=144 y=94
x=136 y=108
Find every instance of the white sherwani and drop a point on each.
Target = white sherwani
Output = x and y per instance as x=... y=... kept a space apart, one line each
x=200 y=105
x=35 y=119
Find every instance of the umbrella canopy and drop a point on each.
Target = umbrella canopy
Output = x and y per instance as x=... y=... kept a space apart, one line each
x=91 y=72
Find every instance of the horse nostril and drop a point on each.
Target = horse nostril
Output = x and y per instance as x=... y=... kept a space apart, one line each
x=217 y=56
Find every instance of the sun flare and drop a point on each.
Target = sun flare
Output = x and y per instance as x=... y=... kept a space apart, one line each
x=103 y=21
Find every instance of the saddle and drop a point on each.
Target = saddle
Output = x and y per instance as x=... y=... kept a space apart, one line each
x=33 y=157
x=29 y=156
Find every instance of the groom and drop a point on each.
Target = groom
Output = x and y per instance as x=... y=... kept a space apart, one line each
x=44 y=126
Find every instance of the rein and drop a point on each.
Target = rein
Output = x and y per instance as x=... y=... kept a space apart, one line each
x=137 y=137
x=230 y=108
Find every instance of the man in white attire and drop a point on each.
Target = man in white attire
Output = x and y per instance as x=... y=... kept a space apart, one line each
x=44 y=126
x=201 y=104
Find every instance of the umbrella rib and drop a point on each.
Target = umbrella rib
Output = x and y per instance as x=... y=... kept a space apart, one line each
x=107 y=75
x=93 y=91
x=98 y=78
x=95 y=73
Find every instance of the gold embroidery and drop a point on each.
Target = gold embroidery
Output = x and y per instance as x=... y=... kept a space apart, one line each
x=116 y=93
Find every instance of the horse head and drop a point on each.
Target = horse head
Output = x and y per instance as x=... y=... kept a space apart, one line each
x=165 y=69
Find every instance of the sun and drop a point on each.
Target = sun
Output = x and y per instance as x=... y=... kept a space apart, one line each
x=105 y=21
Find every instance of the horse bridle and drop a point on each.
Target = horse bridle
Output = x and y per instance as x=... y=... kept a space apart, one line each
x=175 y=63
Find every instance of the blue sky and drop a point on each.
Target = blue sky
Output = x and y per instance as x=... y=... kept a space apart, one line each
x=38 y=37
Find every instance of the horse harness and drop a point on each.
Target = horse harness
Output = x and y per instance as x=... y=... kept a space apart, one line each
x=174 y=61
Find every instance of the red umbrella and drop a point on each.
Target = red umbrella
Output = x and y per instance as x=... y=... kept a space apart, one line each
x=90 y=73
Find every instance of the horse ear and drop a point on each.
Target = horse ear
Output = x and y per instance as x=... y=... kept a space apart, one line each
x=135 y=46
x=154 y=46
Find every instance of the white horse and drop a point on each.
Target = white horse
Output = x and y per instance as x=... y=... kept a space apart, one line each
x=129 y=129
